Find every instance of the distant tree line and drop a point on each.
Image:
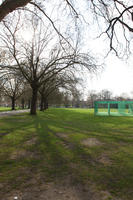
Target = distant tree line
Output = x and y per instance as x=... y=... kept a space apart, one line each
x=105 y=95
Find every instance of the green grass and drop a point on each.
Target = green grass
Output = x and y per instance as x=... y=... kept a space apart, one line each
x=113 y=112
x=2 y=109
x=56 y=157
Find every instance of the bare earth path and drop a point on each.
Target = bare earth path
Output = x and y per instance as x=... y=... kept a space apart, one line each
x=14 y=112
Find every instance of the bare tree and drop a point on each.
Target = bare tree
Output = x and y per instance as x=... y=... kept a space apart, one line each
x=62 y=81
x=118 y=17
x=8 y=6
x=41 y=58
x=13 y=87
x=76 y=96
x=92 y=96
x=105 y=94
x=1 y=89
x=25 y=100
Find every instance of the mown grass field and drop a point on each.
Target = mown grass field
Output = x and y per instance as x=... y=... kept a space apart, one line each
x=93 y=150
x=2 y=109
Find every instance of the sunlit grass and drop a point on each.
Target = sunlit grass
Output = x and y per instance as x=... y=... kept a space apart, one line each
x=2 y=109
x=57 y=146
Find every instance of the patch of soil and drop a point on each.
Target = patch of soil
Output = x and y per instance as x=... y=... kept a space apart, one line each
x=23 y=154
x=62 y=135
x=90 y=142
x=1 y=186
x=37 y=188
x=52 y=191
x=18 y=154
x=104 y=159
x=106 y=195
x=67 y=145
x=31 y=141
x=65 y=190
x=64 y=142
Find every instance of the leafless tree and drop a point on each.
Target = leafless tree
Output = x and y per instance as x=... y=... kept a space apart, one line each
x=56 y=98
x=92 y=96
x=61 y=81
x=1 y=88
x=118 y=17
x=8 y=6
x=25 y=100
x=13 y=87
x=105 y=94
x=41 y=58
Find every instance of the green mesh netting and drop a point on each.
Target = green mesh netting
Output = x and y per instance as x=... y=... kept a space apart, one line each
x=114 y=108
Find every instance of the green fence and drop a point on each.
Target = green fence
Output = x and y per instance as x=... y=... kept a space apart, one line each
x=113 y=108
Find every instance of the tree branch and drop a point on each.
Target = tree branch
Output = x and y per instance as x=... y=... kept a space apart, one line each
x=10 y=5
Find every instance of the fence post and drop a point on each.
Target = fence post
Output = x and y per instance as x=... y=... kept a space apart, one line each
x=108 y=108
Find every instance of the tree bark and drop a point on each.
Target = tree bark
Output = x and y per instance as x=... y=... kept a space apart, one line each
x=29 y=103
x=34 y=101
x=45 y=102
x=13 y=103
x=42 y=103
x=22 y=102
x=10 y=5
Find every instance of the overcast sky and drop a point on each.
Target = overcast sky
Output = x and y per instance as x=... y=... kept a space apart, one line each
x=117 y=76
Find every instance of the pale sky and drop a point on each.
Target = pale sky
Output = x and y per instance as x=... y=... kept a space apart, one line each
x=117 y=76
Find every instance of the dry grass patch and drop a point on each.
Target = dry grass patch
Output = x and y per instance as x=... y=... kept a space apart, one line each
x=23 y=154
x=90 y=142
x=31 y=141
x=106 y=195
x=62 y=135
x=104 y=159
x=62 y=190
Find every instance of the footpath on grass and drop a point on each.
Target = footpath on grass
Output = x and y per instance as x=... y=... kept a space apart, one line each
x=12 y=112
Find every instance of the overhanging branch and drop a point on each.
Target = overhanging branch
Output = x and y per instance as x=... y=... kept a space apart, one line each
x=10 y=5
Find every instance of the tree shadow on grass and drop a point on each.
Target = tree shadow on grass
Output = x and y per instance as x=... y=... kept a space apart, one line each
x=58 y=163
x=55 y=162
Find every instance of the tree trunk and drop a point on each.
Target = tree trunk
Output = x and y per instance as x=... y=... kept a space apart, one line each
x=34 y=101
x=45 y=102
x=42 y=103
x=22 y=102
x=29 y=104
x=13 y=103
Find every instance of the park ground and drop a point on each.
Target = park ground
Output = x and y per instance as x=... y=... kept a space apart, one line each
x=65 y=154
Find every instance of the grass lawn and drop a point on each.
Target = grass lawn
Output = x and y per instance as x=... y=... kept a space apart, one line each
x=2 y=109
x=92 y=153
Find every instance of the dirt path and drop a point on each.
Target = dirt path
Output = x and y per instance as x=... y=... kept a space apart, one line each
x=14 y=112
